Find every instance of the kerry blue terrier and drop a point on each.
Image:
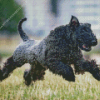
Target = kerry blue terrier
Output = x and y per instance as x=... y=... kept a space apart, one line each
x=61 y=48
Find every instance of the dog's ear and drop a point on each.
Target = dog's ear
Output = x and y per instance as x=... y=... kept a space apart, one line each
x=74 y=22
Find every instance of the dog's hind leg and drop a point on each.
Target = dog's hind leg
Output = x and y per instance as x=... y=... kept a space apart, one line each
x=36 y=72
x=8 y=67
x=27 y=77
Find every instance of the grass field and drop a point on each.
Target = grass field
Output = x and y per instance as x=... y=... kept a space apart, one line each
x=53 y=87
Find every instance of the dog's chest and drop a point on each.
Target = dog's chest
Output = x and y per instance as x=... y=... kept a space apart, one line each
x=71 y=55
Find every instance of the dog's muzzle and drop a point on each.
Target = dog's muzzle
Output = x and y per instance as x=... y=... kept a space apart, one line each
x=94 y=42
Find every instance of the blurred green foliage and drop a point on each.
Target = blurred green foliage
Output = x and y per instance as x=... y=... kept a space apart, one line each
x=7 y=8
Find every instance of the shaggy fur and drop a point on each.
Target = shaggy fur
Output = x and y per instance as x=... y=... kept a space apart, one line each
x=35 y=73
x=61 y=48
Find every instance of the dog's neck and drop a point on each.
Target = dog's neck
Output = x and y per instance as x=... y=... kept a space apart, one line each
x=71 y=37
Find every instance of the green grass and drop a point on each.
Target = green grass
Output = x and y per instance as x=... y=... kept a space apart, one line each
x=53 y=87
x=5 y=54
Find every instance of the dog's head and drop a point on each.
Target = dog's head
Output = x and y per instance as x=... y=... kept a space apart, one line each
x=85 y=38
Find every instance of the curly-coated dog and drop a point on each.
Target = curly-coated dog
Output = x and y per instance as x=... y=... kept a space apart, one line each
x=61 y=48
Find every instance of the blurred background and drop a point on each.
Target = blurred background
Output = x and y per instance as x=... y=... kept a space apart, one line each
x=43 y=16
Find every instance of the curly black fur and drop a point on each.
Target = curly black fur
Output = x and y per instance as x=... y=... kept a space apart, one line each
x=8 y=67
x=36 y=72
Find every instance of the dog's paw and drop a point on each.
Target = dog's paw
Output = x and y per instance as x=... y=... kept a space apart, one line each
x=94 y=70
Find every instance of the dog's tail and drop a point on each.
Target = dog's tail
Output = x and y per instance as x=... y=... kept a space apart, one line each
x=21 y=32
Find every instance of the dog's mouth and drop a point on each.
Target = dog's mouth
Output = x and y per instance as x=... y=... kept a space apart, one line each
x=86 y=47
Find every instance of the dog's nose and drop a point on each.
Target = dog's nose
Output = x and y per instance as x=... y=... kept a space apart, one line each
x=94 y=42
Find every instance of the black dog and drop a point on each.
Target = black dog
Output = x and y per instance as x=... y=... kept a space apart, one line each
x=61 y=48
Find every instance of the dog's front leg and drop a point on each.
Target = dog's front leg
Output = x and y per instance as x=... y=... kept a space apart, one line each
x=60 y=68
x=78 y=65
x=88 y=66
